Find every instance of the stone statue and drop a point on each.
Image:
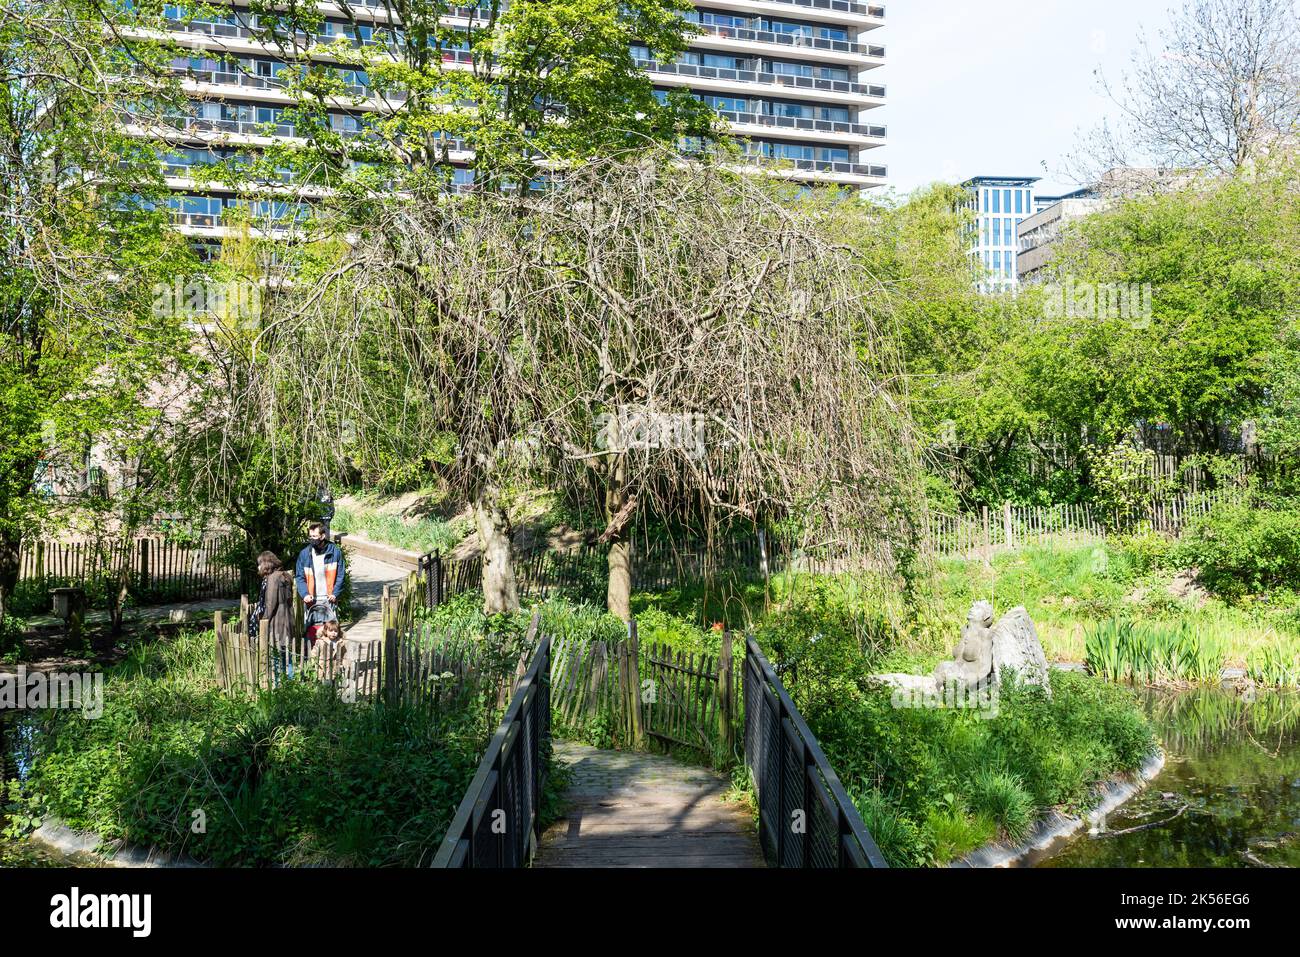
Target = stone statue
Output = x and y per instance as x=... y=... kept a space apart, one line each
x=972 y=659
x=982 y=653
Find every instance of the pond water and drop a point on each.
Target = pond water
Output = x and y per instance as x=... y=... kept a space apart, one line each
x=1229 y=794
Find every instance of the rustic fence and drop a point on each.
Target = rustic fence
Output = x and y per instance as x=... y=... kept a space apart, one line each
x=247 y=662
x=420 y=666
x=156 y=569
x=795 y=783
x=496 y=824
x=639 y=693
x=1014 y=526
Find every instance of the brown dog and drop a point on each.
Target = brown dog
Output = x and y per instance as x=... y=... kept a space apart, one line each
x=328 y=651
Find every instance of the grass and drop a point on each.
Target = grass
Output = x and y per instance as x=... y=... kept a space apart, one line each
x=1070 y=590
x=292 y=776
x=414 y=534
x=1154 y=654
x=933 y=784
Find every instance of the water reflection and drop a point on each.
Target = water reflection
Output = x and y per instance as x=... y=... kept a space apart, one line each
x=1229 y=795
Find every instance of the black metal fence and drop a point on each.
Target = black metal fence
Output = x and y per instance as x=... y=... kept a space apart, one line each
x=805 y=819
x=496 y=824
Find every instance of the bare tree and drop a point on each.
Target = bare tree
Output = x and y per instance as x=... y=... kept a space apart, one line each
x=1217 y=89
x=659 y=331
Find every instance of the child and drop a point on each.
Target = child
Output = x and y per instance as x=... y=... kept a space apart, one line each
x=328 y=650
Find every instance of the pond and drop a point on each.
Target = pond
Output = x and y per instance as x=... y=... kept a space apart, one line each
x=1229 y=794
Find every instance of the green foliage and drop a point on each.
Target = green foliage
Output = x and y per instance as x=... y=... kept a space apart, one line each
x=1121 y=650
x=1243 y=548
x=420 y=535
x=939 y=782
x=1000 y=796
x=293 y=776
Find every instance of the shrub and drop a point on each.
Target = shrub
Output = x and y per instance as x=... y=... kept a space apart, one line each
x=291 y=776
x=1242 y=549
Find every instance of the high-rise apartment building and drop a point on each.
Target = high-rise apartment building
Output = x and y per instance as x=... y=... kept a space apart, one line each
x=788 y=76
x=998 y=204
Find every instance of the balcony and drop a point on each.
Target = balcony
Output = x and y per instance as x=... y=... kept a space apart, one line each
x=851 y=7
x=803 y=123
x=824 y=167
x=847 y=87
x=796 y=40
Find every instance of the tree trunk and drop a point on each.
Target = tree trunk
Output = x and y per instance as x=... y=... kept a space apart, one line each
x=11 y=545
x=618 y=594
x=500 y=593
x=618 y=597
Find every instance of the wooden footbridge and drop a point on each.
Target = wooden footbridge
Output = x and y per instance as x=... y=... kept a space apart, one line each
x=624 y=806
x=629 y=808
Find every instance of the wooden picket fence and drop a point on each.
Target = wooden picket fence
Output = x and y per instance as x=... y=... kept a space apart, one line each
x=1014 y=526
x=248 y=663
x=642 y=693
x=157 y=569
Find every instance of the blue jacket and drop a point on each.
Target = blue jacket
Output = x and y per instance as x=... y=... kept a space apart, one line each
x=304 y=572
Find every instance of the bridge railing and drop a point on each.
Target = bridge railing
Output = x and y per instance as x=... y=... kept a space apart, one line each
x=805 y=817
x=496 y=824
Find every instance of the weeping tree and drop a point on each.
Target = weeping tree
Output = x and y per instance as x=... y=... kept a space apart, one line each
x=651 y=329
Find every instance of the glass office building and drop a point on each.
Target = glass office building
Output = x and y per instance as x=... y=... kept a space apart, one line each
x=998 y=204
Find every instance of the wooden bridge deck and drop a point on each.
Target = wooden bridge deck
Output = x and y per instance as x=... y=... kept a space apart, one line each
x=643 y=810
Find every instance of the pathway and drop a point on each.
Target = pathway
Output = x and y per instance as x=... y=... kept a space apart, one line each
x=627 y=809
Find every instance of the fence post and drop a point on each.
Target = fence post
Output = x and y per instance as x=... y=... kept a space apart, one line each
x=1008 y=525
x=988 y=538
x=726 y=730
x=390 y=666
x=634 y=680
x=144 y=565
x=263 y=665
x=218 y=629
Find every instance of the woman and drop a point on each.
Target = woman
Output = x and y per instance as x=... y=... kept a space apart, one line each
x=275 y=607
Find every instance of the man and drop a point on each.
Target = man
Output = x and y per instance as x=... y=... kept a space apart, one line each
x=319 y=574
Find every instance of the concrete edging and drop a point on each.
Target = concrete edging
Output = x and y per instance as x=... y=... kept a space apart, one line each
x=388 y=554
x=54 y=834
x=1050 y=835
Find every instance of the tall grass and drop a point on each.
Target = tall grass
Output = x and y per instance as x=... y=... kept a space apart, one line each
x=1153 y=654
x=412 y=534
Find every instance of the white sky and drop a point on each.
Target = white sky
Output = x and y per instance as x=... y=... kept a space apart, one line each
x=999 y=87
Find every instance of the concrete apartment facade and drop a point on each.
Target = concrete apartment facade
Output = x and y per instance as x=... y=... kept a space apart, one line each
x=789 y=77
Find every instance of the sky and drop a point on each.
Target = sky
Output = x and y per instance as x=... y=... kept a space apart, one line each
x=999 y=87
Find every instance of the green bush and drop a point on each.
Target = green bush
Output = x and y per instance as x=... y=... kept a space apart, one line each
x=947 y=773
x=1243 y=549
x=1146 y=552
x=1001 y=796
x=291 y=776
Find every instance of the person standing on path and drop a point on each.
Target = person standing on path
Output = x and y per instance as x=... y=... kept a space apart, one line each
x=275 y=606
x=320 y=574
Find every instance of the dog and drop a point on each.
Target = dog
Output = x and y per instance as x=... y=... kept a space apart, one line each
x=328 y=651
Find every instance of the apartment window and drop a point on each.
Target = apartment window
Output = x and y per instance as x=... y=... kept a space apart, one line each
x=997 y=260
x=1020 y=198
x=1006 y=201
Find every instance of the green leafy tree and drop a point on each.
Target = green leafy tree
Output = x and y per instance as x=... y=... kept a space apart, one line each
x=82 y=228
